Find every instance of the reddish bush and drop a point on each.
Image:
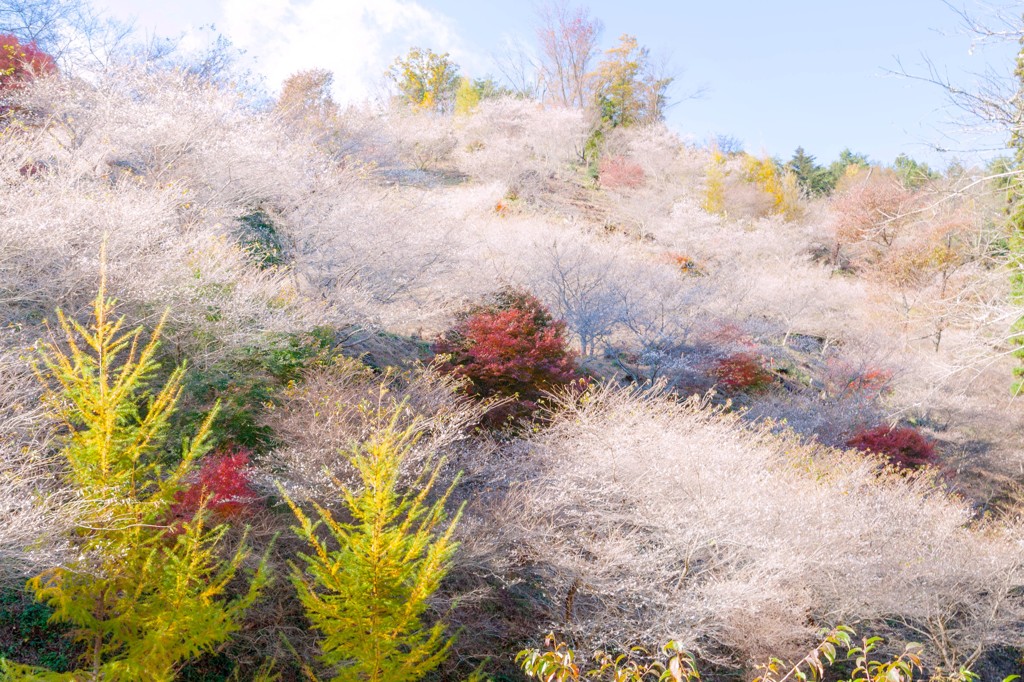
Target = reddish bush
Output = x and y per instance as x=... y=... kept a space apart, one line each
x=20 y=63
x=741 y=372
x=686 y=265
x=223 y=483
x=618 y=171
x=510 y=349
x=843 y=379
x=903 y=446
x=728 y=334
x=870 y=214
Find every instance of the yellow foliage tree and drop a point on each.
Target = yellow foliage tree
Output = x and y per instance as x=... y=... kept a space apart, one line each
x=426 y=79
x=714 y=184
x=143 y=596
x=626 y=89
x=467 y=98
x=780 y=184
x=368 y=597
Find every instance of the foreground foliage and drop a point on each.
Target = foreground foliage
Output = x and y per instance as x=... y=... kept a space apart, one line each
x=143 y=597
x=838 y=647
x=368 y=597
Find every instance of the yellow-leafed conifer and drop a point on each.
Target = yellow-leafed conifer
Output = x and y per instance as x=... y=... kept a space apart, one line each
x=714 y=184
x=143 y=595
x=368 y=597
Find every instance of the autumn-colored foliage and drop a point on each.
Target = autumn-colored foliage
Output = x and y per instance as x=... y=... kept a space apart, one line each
x=904 y=446
x=741 y=372
x=618 y=171
x=426 y=79
x=873 y=209
x=845 y=379
x=222 y=484
x=686 y=264
x=21 y=63
x=510 y=349
x=714 y=184
x=627 y=87
x=779 y=183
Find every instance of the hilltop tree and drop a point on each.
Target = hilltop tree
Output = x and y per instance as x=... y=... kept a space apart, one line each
x=626 y=88
x=72 y=32
x=426 y=79
x=912 y=173
x=308 y=93
x=568 y=43
x=838 y=168
x=814 y=179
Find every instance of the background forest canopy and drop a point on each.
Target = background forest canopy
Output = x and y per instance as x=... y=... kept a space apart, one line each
x=494 y=376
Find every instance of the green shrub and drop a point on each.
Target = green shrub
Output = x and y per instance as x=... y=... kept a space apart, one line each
x=260 y=239
x=244 y=383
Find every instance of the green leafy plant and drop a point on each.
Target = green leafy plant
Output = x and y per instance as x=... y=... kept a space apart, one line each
x=142 y=597
x=558 y=664
x=244 y=384
x=259 y=237
x=368 y=597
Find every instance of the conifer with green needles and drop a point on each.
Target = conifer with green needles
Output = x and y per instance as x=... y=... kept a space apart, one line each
x=143 y=594
x=368 y=597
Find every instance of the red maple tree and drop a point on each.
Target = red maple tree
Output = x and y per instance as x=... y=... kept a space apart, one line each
x=21 y=63
x=510 y=349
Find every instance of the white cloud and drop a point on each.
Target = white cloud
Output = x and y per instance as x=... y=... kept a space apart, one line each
x=356 y=39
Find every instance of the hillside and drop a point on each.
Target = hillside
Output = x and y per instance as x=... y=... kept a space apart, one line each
x=700 y=448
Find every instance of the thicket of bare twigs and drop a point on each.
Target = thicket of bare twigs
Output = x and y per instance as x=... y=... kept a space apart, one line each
x=626 y=517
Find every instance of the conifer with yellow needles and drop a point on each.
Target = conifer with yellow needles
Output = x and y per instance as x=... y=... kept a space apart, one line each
x=143 y=596
x=368 y=597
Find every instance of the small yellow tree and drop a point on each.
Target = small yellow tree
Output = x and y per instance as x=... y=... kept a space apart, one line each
x=426 y=79
x=368 y=597
x=714 y=184
x=626 y=88
x=143 y=596
x=467 y=98
x=779 y=183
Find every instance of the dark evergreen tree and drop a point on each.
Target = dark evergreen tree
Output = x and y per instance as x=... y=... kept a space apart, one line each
x=814 y=179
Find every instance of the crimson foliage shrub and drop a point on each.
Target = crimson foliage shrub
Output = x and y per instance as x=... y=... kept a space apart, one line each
x=845 y=379
x=904 y=446
x=741 y=372
x=618 y=171
x=20 y=63
x=223 y=483
x=513 y=349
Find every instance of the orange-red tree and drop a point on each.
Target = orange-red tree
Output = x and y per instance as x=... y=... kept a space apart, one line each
x=21 y=63
x=510 y=349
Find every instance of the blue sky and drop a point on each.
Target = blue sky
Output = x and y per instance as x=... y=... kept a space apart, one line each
x=778 y=75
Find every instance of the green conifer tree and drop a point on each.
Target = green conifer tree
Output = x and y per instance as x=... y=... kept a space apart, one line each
x=812 y=178
x=143 y=595
x=368 y=597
